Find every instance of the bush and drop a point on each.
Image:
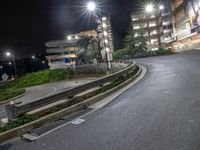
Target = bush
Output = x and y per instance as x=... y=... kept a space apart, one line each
x=10 y=93
x=18 y=122
x=41 y=77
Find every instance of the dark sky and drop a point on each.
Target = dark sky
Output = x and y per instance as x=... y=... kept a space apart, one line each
x=25 y=25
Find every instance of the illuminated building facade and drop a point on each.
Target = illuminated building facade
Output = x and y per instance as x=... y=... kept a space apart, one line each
x=63 y=53
x=186 y=18
x=155 y=25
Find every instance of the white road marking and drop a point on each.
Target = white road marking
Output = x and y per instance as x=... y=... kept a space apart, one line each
x=77 y=121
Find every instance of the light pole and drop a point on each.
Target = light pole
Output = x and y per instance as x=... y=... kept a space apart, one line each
x=1 y=67
x=92 y=7
x=13 y=59
x=31 y=60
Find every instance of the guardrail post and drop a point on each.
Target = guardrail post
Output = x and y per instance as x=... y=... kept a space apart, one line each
x=11 y=111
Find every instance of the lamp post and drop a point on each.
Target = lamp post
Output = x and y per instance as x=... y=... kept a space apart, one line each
x=91 y=6
x=13 y=59
x=1 y=67
x=31 y=60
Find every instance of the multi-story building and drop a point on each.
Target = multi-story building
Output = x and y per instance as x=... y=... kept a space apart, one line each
x=62 y=53
x=155 y=25
x=186 y=24
x=105 y=37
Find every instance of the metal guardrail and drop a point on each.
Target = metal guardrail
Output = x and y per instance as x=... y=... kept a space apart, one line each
x=15 y=110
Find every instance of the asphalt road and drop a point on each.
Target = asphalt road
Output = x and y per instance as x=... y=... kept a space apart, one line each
x=161 y=112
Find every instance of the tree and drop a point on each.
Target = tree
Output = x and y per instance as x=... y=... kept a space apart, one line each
x=89 y=50
x=135 y=42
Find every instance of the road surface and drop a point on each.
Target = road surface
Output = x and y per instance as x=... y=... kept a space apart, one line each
x=161 y=112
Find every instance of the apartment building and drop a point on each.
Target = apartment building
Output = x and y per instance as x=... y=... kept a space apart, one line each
x=155 y=25
x=186 y=24
x=105 y=37
x=63 y=53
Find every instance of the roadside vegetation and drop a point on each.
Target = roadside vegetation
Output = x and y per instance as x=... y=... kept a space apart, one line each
x=30 y=118
x=135 y=46
x=18 y=86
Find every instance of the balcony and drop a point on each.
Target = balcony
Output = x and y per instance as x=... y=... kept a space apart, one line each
x=184 y=34
x=182 y=20
x=62 y=50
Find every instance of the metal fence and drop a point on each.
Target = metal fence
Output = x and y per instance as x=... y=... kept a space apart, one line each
x=15 y=110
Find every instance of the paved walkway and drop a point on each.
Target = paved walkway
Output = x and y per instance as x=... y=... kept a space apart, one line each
x=44 y=90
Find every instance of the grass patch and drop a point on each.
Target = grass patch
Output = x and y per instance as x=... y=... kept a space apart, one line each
x=42 y=77
x=30 y=118
x=16 y=88
x=6 y=94
x=18 y=122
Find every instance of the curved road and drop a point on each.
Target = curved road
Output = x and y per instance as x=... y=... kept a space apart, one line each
x=161 y=112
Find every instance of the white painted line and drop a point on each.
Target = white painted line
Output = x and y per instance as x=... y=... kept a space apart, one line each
x=29 y=137
x=77 y=121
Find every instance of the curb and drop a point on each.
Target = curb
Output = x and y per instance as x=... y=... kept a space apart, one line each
x=14 y=98
x=18 y=132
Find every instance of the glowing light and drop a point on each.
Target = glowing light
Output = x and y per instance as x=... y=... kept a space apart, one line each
x=105 y=33
x=91 y=6
x=104 y=25
x=8 y=54
x=106 y=41
x=69 y=37
x=108 y=49
x=104 y=18
x=149 y=8
x=76 y=37
x=161 y=7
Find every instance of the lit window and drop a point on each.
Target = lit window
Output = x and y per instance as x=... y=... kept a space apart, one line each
x=152 y=24
x=136 y=27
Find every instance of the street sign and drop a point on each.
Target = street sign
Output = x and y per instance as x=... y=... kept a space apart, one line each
x=5 y=77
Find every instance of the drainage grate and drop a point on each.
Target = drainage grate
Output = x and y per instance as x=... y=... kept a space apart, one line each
x=50 y=127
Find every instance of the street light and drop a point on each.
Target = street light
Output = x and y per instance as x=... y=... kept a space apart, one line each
x=13 y=59
x=91 y=6
x=69 y=37
x=31 y=63
x=1 y=67
x=161 y=7
x=149 y=8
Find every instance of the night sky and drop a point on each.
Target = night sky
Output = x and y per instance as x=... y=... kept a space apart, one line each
x=26 y=25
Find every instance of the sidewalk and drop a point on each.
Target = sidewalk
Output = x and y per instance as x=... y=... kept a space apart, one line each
x=44 y=90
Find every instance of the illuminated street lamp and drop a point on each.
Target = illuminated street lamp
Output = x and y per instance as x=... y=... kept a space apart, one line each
x=1 y=68
x=149 y=8
x=161 y=7
x=31 y=63
x=13 y=59
x=91 y=6
x=69 y=37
